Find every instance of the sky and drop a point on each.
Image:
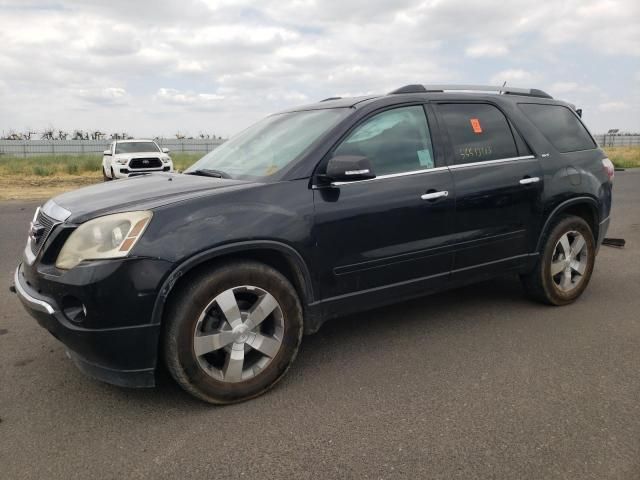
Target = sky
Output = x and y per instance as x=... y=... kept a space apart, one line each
x=157 y=68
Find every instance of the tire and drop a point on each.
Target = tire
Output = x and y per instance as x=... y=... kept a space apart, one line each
x=105 y=177
x=213 y=370
x=558 y=279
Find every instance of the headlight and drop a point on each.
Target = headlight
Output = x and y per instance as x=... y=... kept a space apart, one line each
x=111 y=236
x=122 y=161
x=166 y=159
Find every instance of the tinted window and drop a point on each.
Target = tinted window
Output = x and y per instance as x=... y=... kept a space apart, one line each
x=560 y=125
x=394 y=141
x=478 y=132
x=523 y=148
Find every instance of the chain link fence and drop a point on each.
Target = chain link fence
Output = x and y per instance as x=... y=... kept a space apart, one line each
x=617 y=140
x=27 y=148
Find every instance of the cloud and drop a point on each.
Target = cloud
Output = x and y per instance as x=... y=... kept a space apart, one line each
x=104 y=96
x=571 y=87
x=225 y=63
x=515 y=78
x=119 y=41
x=613 y=106
x=486 y=50
x=171 y=96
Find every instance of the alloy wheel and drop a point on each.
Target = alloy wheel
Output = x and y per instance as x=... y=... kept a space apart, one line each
x=569 y=261
x=238 y=334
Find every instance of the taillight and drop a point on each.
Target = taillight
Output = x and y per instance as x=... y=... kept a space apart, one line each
x=608 y=168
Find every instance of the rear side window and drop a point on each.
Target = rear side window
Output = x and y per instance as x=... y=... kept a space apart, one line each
x=560 y=125
x=478 y=132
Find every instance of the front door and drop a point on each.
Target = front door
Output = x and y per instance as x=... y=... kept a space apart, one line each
x=498 y=184
x=388 y=237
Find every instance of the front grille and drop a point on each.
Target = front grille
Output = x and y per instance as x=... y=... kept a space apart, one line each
x=47 y=223
x=145 y=163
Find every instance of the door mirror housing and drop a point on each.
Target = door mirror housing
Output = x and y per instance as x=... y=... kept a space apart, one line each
x=107 y=153
x=348 y=168
x=165 y=150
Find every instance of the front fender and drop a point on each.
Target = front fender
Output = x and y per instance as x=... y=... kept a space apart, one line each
x=183 y=268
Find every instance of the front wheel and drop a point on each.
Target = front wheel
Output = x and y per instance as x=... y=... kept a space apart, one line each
x=565 y=265
x=105 y=177
x=233 y=332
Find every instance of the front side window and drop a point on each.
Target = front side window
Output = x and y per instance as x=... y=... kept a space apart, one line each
x=394 y=141
x=560 y=125
x=479 y=132
x=136 y=147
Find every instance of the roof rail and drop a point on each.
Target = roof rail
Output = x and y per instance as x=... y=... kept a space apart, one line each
x=329 y=99
x=529 y=92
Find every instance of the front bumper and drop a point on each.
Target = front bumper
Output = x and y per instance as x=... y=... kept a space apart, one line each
x=123 y=171
x=122 y=355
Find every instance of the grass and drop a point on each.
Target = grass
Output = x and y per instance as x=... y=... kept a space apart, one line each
x=624 y=157
x=44 y=176
x=57 y=165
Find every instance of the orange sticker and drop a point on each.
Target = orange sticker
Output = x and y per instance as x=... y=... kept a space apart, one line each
x=475 y=124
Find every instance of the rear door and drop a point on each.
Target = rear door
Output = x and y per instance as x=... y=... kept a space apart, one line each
x=388 y=237
x=498 y=185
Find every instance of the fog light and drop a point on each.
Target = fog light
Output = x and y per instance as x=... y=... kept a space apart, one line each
x=74 y=309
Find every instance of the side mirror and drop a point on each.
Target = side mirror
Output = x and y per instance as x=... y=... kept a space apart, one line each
x=165 y=150
x=348 y=168
x=107 y=153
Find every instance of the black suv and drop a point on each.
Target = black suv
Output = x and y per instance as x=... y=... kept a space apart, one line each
x=323 y=210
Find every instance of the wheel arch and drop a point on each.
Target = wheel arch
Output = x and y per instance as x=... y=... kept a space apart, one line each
x=583 y=207
x=280 y=256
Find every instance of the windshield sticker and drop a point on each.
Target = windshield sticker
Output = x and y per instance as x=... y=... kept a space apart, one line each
x=271 y=169
x=475 y=124
x=424 y=157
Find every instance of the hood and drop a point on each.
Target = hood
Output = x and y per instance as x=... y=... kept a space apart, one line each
x=143 y=192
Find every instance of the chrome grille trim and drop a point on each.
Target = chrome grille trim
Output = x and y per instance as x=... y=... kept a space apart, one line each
x=48 y=223
x=152 y=162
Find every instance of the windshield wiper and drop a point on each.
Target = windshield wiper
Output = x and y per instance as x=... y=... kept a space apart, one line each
x=208 y=172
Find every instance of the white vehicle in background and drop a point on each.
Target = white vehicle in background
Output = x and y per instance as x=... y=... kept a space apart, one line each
x=126 y=158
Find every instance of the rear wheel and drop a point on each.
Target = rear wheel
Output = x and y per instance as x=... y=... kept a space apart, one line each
x=231 y=334
x=565 y=265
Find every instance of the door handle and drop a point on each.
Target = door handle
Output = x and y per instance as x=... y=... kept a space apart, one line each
x=529 y=180
x=434 y=195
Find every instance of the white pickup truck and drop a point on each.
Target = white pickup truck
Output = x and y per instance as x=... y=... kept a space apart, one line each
x=126 y=158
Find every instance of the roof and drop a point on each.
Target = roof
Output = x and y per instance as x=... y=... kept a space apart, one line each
x=436 y=92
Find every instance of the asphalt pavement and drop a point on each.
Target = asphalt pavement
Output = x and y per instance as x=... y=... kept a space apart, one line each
x=474 y=383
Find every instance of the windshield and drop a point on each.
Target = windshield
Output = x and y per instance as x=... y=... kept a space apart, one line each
x=270 y=145
x=136 y=147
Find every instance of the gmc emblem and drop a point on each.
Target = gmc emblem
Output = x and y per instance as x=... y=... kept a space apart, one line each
x=35 y=231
